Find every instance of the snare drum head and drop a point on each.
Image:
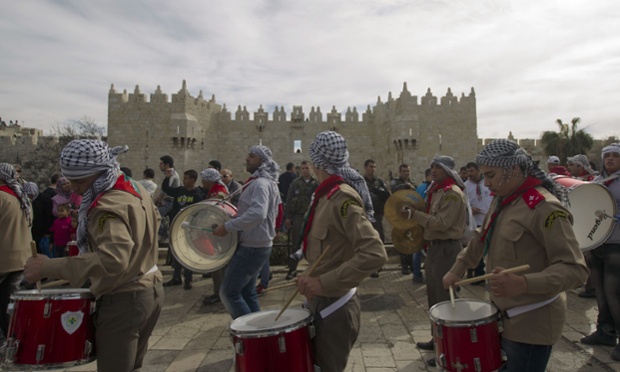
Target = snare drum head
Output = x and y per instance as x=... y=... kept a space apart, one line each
x=264 y=321
x=52 y=293
x=590 y=229
x=464 y=311
x=191 y=236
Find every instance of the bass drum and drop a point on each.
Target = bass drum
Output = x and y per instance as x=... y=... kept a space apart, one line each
x=590 y=203
x=191 y=236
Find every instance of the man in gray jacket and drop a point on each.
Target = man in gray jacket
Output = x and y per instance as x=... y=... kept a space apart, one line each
x=259 y=206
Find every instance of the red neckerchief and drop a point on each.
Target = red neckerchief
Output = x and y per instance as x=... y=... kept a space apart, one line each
x=609 y=182
x=216 y=189
x=445 y=184
x=121 y=184
x=327 y=187
x=529 y=183
x=8 y=190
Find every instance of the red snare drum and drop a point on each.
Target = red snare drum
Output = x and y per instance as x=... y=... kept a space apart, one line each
x=467 y=337
x=263 y=344
x=590 y=203
x=73 y=249
x=51 y=328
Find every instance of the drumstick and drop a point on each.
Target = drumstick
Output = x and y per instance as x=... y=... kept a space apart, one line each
x=55 y=283
x=487 y=276
x=33 y=250
x=316 y=263
x=452 y=297
x=291 y=284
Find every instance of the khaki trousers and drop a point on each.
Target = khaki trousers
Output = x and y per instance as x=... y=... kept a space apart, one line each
x=123 y=325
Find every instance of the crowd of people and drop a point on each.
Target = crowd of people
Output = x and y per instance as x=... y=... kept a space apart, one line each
x=333 y=216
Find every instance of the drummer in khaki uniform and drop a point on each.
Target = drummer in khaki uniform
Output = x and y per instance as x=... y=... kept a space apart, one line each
x=337 y=220
x=117 y=239
x=15 y=219
x=525 y=225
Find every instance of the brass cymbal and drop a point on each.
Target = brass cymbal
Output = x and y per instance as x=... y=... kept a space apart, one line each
x=408 y=241
x=396 y=202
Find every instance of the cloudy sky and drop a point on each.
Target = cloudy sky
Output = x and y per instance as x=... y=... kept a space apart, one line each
x=530 y=62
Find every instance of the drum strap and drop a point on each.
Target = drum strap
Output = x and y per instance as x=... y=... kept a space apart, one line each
x=607 y=179
x=510 y=313
x=151 y=270
x=338 y=304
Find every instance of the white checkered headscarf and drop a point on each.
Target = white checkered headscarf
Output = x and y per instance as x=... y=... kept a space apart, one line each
x=212 y=175
x=269 y=168
x=506 y=154
x=582 y=160
x=613 y=147
x=31 y=189
x=84 y=158
x=329 y=152
x=8 y=175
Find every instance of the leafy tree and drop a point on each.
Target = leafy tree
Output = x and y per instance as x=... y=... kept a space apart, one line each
x=568 y=141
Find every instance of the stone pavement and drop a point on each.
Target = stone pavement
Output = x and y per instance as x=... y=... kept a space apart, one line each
x=194 y=337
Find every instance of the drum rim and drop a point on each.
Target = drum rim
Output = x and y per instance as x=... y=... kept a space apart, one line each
x=176 y=226
x=52 y=293
x=268 y=332
x=465 y=323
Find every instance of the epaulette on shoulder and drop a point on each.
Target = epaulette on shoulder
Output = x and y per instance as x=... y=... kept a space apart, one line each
x=532 y=197
x=334 y=190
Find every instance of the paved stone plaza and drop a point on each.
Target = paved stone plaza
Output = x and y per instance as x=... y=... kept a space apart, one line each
x=194 y=337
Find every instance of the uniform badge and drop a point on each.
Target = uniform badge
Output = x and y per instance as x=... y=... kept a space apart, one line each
x=103 y=220
x=71 y=321
x=452 y=197
x=554 y=216
x=344 y=208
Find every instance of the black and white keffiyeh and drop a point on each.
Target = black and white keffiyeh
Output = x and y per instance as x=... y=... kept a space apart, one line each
x=269 y=168
x=329 y=152
x=212 y=175
x=84 y=158
x=613 y=147
x=8 y=175
x=582 y=160
x=31 y=189
x=506 y=154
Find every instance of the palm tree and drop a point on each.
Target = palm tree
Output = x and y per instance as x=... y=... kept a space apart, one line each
x=568 y=141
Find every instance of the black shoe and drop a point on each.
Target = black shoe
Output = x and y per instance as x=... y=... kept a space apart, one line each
x=615 y=353
x=405 y=271
x=587 y=294
x=187 y=285
x=213 y=299
x=173 y=282
x=375 y=274
x=291 y=275
x=430 y=346
x=207 y=275
x=419 y=280
x=598 y=338
x=431 y=362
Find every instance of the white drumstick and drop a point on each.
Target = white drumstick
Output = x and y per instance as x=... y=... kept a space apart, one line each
x=185 y=225
x=601 y=214
x=452 y=297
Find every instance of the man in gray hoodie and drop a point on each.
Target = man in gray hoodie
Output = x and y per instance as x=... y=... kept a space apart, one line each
x=259 y=207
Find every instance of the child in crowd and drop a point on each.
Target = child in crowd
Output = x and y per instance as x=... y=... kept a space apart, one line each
x=62 y=229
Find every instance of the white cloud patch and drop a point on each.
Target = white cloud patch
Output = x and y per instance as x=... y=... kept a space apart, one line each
x=530 y=62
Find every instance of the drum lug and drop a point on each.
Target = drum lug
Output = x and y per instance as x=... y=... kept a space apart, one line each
x=473 y=335
x=442 y=360
x=282 y=344
x=239 y=347
x=40 y=352
x=10 y=308
x=500 y=326
x=88 y=349
x=317 y=368
x=47 y=310
x=12 y=346
x=439 y=331
x=93 y=307
x=477 y=365
x=311 y=330
x=504 y=356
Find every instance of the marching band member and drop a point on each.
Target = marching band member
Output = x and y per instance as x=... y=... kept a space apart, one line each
x=117 y=239
x=337 y=220
x=525 y=225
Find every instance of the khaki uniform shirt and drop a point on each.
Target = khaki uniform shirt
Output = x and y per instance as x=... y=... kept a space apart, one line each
x=355 y=247
x=122 y=234
x=15 y=235
x=447 y=215
x=542 y=237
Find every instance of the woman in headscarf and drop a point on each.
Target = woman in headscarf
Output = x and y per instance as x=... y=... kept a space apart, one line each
x=64 y=195
x=527 y=224
x=337 y=224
